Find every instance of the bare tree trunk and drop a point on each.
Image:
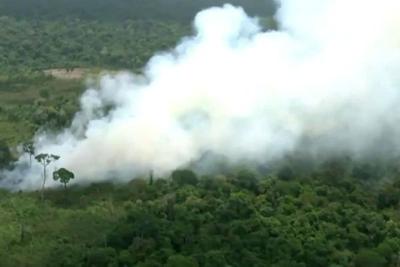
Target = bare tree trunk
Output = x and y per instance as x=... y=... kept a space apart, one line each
x=22 y=233
x=65 y=192
x=44 y=182
x=151 y=177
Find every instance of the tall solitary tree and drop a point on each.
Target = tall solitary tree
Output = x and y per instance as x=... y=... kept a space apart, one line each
x=29 y=149
x=45 y=160
x=64 y=176
x=151 y=180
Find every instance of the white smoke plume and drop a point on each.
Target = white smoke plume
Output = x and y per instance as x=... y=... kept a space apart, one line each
x=331 y=73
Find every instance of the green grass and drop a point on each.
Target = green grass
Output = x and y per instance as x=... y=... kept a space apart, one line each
x=14 y=132
x=19 y=101
x=47 y=225
x=27 y=93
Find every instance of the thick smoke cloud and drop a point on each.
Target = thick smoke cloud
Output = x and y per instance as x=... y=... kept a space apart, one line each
x=329 y=75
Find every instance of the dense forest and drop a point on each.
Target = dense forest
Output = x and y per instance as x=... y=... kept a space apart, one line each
x=235 y=219
x=334 y=213
x=68 y=43
x=120 y=10
x=35 y=41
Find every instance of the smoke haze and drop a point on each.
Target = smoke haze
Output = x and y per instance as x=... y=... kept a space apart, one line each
x=330 y=75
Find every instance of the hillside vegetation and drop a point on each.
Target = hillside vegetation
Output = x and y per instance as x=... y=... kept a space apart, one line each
x=336 y=213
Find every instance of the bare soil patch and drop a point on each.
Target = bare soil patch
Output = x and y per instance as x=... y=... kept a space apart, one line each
x=67 y=74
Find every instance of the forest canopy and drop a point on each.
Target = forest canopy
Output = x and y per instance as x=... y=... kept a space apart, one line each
x=299 y=211
x=120 y=10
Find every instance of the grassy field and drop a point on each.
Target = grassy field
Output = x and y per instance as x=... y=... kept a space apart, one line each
x=22 y=98
x=27 y=91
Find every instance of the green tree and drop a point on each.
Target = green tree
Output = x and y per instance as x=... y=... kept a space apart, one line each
x=64 y=176
x=101 y=257
x=44 y=93
x=286 y=173
x=215 y=258
x=369 y=258
x=184 y=177
x=181 y=261
x=5 y=155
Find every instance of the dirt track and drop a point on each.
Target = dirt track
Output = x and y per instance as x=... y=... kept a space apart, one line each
x=74 y=74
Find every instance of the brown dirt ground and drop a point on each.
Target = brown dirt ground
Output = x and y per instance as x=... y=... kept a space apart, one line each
x=65 y=74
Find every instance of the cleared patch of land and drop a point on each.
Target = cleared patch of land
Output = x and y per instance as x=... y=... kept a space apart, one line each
x=67 y=74
x=27 y=103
